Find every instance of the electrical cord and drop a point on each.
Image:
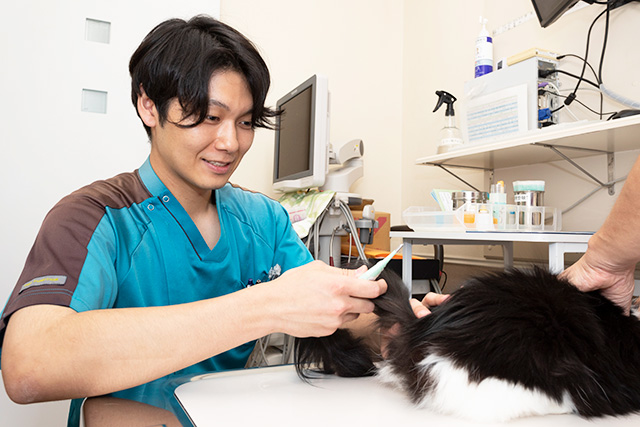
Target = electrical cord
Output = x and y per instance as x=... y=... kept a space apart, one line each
x=606 y=37
x=573 y=55
x=444 y=273
x=578 y=101
x=573 y=94
x=557 y=70
x=584 y=61
x=352 y=225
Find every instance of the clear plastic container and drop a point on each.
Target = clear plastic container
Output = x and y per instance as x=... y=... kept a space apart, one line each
x=423 y=218
x=484 y=217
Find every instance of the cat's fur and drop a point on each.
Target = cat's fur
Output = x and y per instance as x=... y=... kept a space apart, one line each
x=505 y=345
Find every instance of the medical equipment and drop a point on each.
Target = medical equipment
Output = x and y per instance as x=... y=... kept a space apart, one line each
x=507 y=101
x=350 y=167
x=548 y=11
x=374 y=272
x=303 y=152
x=301 y=158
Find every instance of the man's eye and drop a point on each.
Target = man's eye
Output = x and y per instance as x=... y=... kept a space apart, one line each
x=213 y=118
x=246 y=124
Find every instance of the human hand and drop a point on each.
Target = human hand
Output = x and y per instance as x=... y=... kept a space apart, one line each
x=432 y=299
x=316 y=299
x=420 y=309
x=616 y=284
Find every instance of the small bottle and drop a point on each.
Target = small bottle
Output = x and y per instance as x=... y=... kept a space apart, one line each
x=498 y=201
x=484 y=51
x=484 y=219
x=450 y=136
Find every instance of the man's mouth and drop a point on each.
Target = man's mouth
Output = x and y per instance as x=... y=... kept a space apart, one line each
x=217 y=164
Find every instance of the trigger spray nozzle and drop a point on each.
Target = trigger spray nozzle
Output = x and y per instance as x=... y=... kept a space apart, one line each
x=450 y=136
x=445 y=97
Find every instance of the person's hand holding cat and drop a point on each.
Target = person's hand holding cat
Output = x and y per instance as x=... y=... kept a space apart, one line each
x=420 y=309
x=591 y=273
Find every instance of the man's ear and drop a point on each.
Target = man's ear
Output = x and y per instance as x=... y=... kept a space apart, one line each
x=147 y=109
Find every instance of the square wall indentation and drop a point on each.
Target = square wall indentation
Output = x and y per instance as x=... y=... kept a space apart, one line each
x=94 y=101
x=97 y=31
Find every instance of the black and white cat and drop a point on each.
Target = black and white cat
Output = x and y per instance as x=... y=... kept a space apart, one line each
x=503 y=346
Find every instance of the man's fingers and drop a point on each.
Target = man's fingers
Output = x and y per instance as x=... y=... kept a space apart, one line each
x=369 y=289
x=432 y=299
x=419 y=308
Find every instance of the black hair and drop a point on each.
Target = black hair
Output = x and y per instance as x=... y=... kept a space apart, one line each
x=178 y=58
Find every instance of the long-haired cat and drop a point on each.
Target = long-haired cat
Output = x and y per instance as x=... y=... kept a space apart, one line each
x=505 y=345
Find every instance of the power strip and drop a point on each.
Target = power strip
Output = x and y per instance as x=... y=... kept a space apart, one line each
x=514 y=23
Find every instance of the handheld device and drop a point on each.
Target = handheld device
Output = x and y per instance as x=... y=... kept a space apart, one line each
x=374 y=272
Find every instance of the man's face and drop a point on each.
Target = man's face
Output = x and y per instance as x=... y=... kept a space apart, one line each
x=202 y=158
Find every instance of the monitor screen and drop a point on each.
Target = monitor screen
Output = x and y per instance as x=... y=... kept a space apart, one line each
x=301 y=142
x=549 y=11
x=294 y=156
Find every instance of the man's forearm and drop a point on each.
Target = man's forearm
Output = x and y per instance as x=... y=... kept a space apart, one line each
x=617 y=242
x=101 y=351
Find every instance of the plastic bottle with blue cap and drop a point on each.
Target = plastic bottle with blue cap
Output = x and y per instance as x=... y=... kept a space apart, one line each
x=484 y=51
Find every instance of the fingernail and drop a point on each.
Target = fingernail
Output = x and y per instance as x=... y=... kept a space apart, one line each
x=423 y=313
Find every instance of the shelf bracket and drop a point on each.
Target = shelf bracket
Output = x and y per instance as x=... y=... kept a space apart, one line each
x=460 y=179
x=611 y=163
x=610 y=167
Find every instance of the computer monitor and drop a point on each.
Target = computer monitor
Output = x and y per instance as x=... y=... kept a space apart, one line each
x=549 y=11
x=302 y=137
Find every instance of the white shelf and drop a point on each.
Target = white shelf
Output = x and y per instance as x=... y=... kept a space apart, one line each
x=576 y=140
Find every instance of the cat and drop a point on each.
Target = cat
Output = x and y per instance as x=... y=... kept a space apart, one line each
x=505 y=345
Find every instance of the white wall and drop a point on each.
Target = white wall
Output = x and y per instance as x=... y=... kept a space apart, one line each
x=358 y=45
x=50 y=147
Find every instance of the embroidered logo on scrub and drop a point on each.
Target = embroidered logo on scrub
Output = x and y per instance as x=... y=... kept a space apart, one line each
x=44 y=280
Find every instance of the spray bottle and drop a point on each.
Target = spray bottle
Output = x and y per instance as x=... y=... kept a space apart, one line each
x=484 y=51
x=450 y=135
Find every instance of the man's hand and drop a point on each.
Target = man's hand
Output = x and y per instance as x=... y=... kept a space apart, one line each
x=432 y=299
x=615 y=284
x=420 y=309
x=315 y=299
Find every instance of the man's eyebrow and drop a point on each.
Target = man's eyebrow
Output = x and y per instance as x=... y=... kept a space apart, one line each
x=217 y=103
x=221 y=104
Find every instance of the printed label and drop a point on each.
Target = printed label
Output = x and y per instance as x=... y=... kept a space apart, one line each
x=44 y=280
x=520 y=198
x=450 y=141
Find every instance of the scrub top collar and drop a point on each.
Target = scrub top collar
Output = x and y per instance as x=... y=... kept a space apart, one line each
x=151 y=180
x=157 y=188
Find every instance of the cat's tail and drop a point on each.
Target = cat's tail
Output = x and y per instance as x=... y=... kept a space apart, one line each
x=343 y=354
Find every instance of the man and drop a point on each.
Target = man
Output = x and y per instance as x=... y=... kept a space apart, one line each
x=145 y=275
x=610 y=261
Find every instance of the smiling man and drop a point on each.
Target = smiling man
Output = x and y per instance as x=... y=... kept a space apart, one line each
x=144 y=276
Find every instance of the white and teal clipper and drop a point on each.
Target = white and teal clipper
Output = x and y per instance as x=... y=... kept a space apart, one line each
x=374 y=272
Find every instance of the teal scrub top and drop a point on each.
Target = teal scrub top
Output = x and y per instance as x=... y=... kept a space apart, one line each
x=127 y=242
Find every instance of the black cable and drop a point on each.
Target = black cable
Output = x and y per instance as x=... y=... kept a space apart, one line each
x=560 y=57
x=579 y=102
x=444 y=273
x=573 y=94
x=604 y=42
x=545 y=74
x=557 y=109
